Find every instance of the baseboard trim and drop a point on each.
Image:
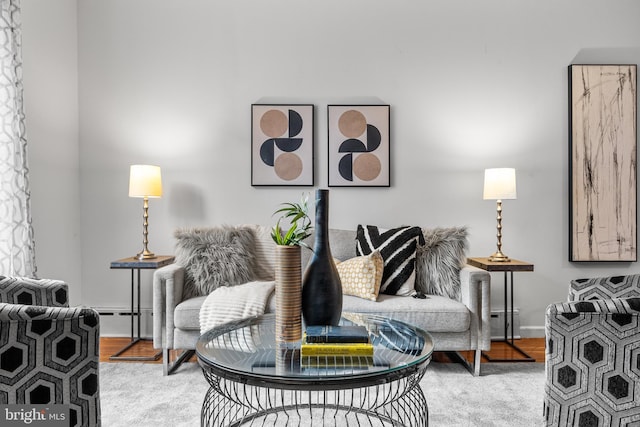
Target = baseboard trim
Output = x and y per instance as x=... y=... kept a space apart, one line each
x=116 y=321
x=532 y=331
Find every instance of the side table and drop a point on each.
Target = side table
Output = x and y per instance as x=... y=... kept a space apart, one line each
x=507 y=267
x=135 y=265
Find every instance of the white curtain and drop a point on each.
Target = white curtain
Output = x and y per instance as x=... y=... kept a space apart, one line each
x=17 y=246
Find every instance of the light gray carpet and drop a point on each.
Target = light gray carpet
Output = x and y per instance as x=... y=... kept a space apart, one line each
x=507 y=394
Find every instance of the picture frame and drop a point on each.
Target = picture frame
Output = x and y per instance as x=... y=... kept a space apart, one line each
x=359 y=145
x=602 y=162
x=282 y=144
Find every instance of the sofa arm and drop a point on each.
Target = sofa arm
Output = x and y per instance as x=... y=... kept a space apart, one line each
x=591 y=360
x=573 y=309
x=605 y=287
x=476 y=295
x=43 y=292
x=168 y=282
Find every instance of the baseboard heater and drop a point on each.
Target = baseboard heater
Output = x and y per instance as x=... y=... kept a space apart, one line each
x=117 y=321
x=113 y=313
x=497 y=324
x=122 y=312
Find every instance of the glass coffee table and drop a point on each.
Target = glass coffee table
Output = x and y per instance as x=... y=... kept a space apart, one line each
x=255 y=380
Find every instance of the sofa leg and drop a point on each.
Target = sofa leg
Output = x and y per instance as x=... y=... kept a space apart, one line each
x=165 y=361
x=169 y=368
x=476 y=363
x=474 y=368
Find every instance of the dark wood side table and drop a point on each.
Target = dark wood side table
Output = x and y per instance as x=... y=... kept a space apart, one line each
x=507 y=267
x=135 y=265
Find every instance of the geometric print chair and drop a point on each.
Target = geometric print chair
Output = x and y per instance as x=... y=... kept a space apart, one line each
x=593 y=354
x=49 y=353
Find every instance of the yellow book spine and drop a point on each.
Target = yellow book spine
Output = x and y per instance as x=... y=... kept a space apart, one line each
x=336 y=361
x=360 y=349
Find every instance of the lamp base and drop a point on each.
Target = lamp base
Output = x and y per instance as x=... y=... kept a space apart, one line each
x=499 y=257
x=145 y=254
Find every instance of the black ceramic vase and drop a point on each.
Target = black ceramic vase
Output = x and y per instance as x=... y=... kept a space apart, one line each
x=321 y=285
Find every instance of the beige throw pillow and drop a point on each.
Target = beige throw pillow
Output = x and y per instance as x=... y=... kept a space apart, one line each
x=361 y=276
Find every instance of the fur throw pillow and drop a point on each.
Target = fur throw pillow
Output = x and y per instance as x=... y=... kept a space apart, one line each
x=214 y=257
x=439 y=261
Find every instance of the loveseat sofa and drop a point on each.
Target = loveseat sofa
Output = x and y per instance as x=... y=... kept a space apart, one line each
x=457 y=322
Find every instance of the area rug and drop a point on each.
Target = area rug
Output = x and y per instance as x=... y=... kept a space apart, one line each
x=507 y=394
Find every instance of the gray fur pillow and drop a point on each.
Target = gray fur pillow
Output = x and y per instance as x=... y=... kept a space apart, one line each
x=439 y=261
x=214 y=257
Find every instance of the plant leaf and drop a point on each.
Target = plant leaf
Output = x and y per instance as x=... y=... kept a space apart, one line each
x=297 y=216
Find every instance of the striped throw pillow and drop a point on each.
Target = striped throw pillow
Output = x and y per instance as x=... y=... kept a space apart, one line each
x=398 y=249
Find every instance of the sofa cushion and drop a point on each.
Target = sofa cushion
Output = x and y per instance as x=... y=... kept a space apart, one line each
x=187 y=314
x=265 y=253
x=214 y=257
x=361 y=276
x=341 y=242
x=439 y=260
x=398 y=249
x=434 y=314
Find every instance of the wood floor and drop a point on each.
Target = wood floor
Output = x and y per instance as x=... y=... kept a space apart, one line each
x=533 y=346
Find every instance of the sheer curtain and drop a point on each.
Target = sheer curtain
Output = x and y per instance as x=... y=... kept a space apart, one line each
x=17 y=246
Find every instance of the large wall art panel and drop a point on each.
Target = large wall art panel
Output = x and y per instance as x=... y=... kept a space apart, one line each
x=602 y=167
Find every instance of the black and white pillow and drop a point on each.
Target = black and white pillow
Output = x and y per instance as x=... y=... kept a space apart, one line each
x=398 y=249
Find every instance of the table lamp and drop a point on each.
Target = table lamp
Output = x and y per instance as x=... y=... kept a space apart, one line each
x=145 y=181
x=499 y=184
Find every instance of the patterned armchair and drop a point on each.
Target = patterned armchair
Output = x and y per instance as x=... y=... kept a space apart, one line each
x=593 y=354
x=49 y=353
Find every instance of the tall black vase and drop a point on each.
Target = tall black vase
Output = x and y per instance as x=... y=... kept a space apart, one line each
x=321 y=285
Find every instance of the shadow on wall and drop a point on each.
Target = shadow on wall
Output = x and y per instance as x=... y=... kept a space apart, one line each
x=186 y=203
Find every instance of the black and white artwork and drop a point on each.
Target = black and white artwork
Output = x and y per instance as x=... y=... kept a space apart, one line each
x=602 y=167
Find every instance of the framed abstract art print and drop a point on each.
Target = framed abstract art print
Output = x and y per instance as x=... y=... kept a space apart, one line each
x=359 y=145
x=282 y=144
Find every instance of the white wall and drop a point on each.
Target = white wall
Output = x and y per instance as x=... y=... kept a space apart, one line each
x=471 y=85
x=50 y=58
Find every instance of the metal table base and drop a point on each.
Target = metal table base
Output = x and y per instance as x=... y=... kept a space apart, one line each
x=510 y=342
x=135 y=340
x=397 y=403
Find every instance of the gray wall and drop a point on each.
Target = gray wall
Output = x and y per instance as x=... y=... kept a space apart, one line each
x=50 y=57
x=471 y=85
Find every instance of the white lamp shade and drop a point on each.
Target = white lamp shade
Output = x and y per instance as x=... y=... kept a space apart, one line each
x=499 y=184
x=145 y=181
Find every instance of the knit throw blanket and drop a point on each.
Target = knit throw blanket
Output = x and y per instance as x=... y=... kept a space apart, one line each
x=229 y=303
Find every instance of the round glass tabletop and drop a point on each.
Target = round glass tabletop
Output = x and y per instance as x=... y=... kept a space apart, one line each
x=246 y=351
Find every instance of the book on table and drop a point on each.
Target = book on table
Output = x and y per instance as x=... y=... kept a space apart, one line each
x=336 y=349
x=337 y=334
x=338 y=361
x=346 y=341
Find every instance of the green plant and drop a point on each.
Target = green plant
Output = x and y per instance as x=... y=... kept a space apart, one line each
x=300 y=224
